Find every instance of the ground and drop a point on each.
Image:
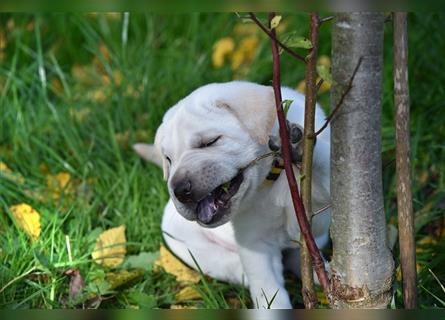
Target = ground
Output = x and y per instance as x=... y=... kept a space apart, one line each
x=77 y=90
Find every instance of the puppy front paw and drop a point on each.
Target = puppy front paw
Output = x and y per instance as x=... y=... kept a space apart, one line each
x=295 y=139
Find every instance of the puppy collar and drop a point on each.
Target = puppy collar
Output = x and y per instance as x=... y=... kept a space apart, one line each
x=275 y=171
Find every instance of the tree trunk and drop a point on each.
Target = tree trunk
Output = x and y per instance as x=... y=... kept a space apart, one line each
x=403 y=167
x=362 y=264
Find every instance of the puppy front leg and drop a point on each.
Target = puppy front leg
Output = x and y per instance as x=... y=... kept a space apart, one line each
x=264 y=271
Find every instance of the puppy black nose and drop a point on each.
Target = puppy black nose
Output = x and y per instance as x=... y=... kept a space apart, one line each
x=183 y=190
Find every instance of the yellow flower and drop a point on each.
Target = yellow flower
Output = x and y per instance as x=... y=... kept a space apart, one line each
x=245 y=52
x=221 y=49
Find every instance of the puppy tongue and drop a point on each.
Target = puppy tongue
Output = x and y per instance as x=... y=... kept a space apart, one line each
x=207 y=209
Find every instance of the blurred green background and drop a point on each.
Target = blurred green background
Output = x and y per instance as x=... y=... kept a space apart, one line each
x=77 y=90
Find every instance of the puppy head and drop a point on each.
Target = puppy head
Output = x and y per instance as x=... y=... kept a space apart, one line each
x=207 y=140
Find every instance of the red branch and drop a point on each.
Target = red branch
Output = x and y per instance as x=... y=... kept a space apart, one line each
x=285 y=151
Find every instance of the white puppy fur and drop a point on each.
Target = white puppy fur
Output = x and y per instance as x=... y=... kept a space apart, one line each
x=206 y=140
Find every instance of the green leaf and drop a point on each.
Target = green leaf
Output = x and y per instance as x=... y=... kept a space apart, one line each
x=286 y=106
x=142 y=299
x=99 y=287
x=292 y=40
x=324 y=73
x=143 y=260
x=275 y=22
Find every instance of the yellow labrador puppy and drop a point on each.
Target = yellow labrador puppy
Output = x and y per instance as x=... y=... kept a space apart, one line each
x=235 y=217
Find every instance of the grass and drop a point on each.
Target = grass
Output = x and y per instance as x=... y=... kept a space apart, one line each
x=78 y=89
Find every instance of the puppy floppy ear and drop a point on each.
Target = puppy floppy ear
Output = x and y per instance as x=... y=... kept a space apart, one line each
x=252 y=104
x=148 y=152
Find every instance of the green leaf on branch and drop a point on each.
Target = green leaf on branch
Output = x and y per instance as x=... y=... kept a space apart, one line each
x=286 y=106
x=275 y=22
x=324 y=73
x=292 y=40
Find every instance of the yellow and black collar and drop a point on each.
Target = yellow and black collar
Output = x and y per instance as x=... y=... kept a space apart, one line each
x=275 y=171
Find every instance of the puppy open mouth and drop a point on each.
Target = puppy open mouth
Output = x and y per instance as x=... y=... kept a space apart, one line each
x=217 y=201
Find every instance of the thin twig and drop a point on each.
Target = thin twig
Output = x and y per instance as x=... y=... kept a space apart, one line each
x=319 y=84
x=307 y=273
x=321 y=210
x=262 y=157
x=296 y=200
x=326 y=19
x=269 y=33
x=342 y=98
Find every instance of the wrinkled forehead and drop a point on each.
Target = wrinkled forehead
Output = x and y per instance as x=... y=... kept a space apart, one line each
x=193 y=122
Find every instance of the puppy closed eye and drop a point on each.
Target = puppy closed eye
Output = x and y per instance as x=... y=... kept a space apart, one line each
x=209 y=142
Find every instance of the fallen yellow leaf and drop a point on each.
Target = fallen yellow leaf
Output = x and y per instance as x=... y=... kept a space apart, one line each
x=57 y=86
x=110 y=249
x=181 y=306
x=7 y=173
x=4 y=168
x=176 y=267
x=221 y=49
x=186 y=294
x=27 y=219
x=123 y=277
x=97 y=95
x=80 y=115
x=59 y=183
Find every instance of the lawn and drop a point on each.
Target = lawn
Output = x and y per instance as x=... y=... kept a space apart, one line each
x=77 y=90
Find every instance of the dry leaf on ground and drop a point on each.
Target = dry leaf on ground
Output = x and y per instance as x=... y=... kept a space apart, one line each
x=9 y=174
x=123 y=277
x=77 y=283
x=27 y=219
x=176 y=267
x=186 y=294
x=110 y=249
x=180 y=306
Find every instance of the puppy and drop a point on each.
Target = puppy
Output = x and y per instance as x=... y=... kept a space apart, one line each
x=224 y=208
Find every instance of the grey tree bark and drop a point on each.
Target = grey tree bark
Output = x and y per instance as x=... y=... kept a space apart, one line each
x=362 y=265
